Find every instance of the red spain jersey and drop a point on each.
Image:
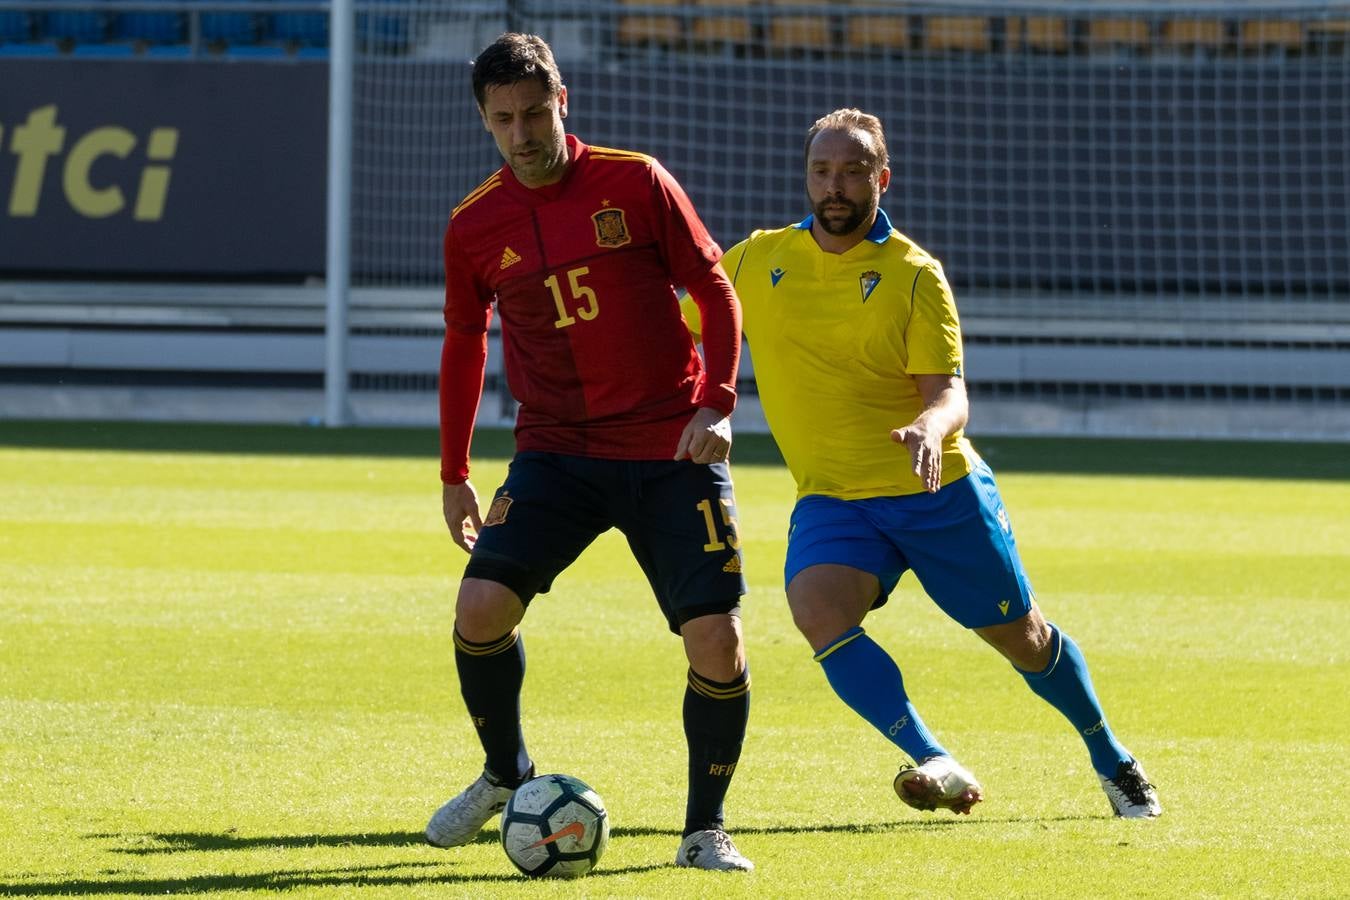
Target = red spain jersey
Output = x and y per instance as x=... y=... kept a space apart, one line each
x=582 y=273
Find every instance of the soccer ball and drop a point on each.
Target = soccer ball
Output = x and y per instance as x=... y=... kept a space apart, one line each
x=555 y=826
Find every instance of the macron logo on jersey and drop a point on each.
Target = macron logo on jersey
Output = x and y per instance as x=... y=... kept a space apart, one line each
x=776 y=275
x=509 y=258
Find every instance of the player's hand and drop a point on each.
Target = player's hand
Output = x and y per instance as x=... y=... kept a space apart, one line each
x=459 y=502
x=707 y=437
x=925 y=451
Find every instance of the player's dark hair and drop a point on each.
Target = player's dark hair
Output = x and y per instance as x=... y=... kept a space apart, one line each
x=852 y=120
x=515 y=57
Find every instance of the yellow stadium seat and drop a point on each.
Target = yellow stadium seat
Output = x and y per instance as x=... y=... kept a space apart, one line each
x=968 y=33
x=1194 y=33
x=1330 y=31
x=1118 y=33
x=1339 y=26
x=722 y=29
x=1047 y=33
x=1272 y=34
x=649 y=29
x=799 y=32
x=877 y=32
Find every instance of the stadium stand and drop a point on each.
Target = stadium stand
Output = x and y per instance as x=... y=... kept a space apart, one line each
x=150 y=28
x=722 y=27
x=15 y=27
x=384 y=33
x=712 y=28
x=1119 y=34
x=869 y=32
x=799 y=30
x=75 y=26
x=1329 y=35
x=1046 y=34
x=297 y=29
x=1194 y=35
x=644 y=30
x=225 y=29
x=969 y=34
x=103 y=50
x=29 y=50
x=1266 y=36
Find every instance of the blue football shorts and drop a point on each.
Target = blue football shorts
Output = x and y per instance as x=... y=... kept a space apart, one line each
x=679 y=518
x=958 y=542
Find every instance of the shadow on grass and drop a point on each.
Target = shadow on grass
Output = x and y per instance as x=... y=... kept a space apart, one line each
x=392 y=875
x=196 y=841
x=199 y=841
x=1113 y=456
x=407 y=874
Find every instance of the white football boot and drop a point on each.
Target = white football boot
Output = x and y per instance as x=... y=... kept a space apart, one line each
x=712 y=849
x=938 y=781
x=461 y=818
x=1131 y=796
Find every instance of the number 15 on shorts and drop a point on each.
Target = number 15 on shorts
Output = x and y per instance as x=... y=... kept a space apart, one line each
x=715 y=543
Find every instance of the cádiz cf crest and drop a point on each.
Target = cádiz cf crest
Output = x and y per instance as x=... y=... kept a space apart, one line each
x=611 y=229
x=868 y=281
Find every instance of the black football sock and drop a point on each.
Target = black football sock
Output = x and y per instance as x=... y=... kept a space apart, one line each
x=715 y=713
x=490 y=676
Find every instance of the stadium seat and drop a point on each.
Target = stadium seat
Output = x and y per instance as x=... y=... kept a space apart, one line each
x=299 y=29
x=1194 y=34
x=221 y=28
x=872 y=32
x=968 y=34
x=1047 y=34
x=1329 y=34
x=1261 y=36
x=716 y=29
x=648 y=30
x=150 y=27
x=383 y=32
x=795 y=31
x=78 y=27
x=15 y=26
x=1119 y=34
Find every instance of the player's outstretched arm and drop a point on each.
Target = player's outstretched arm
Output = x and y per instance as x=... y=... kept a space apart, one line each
x=945 y=411
x=459 y=503
x=707 y=437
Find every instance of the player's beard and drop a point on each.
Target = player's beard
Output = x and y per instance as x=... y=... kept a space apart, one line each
x=545 y=168
x=858 y=214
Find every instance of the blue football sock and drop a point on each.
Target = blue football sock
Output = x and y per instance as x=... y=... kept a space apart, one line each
x=868 y=680
x=1066 y=685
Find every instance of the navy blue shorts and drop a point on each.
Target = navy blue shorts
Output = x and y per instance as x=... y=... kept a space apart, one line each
x=679 y=518
x=958 y=541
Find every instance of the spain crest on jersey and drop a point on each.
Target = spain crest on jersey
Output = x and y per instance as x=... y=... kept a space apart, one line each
x=611 y=228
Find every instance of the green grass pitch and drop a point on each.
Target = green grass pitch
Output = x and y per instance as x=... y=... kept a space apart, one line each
x=226 y=670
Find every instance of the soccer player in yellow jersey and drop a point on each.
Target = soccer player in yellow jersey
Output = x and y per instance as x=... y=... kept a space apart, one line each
x=857 y=354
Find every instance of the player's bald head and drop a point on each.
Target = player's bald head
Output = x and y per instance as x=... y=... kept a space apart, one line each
x=855 y=121
x=512 y=58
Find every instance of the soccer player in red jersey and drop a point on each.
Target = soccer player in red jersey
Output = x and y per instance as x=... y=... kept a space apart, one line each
x=620 y=425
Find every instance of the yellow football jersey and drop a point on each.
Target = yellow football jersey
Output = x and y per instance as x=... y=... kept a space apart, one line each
x=835 y=340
